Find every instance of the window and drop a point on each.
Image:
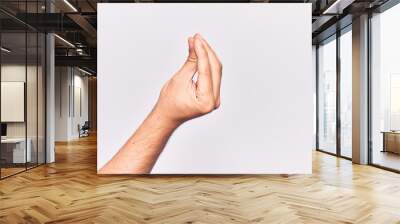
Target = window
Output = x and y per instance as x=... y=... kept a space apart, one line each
x=346 y=93
x=334 y=138
x=327 y=96
x=385 y=89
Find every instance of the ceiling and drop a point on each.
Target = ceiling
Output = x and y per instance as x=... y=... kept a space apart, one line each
x=75 y=22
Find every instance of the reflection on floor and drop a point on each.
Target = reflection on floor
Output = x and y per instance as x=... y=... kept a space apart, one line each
x=70 y=191
x=346 y=152
x=386 y=159
x=10 y=169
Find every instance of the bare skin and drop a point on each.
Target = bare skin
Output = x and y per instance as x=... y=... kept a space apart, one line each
x=180 y=100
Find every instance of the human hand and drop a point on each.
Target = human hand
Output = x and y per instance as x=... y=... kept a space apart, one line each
x=182 y=98
x=188 y=94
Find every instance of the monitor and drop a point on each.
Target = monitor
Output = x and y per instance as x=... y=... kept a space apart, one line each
x=3 y=129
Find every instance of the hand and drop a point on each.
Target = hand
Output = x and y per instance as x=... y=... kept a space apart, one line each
x=189 y=94
x=182 y=98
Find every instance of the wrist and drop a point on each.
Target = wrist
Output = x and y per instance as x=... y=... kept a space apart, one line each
x=162 y=120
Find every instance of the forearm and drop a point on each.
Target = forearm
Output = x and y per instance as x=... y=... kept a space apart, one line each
x=182 y=98
x=141 y=151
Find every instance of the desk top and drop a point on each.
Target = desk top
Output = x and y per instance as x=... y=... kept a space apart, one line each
x=391 y=132
x=13 y=140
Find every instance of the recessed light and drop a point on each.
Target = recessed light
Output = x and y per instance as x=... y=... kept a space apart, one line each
x=64 y=40
x=70 y=5
x=5 y=50
x=84 y=71
x=337 y=7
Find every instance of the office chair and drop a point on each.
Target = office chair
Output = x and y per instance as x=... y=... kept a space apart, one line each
x=84 y=130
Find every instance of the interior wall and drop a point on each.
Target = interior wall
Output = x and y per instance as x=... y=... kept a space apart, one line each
x=62 y=80
x=314 y=70
x=16 y=72
x=92 y=87
x=71 y=102
x=80 y=109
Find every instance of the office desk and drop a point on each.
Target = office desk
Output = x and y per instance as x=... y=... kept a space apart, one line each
x=13 y=150
x=391 y=141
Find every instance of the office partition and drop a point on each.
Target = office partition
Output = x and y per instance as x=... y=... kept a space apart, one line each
x=22 y=77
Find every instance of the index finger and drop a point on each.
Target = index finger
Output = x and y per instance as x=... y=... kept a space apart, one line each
x=216 y=70
x=204 y=81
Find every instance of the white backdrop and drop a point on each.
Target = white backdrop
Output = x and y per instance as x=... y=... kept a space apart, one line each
x=265 y=122
x=12 y=101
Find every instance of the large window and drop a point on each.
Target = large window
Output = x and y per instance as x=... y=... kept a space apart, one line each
x=335 y=74
x=327 y=96
x=346 y=93
x=385 y=89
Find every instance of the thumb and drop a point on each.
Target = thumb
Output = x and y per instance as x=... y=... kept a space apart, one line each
x=192 y=53
x=190 y=66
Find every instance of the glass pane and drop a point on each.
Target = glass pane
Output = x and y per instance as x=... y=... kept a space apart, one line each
x=22 y=89
x=346 y=93
x=327 y=96
x=13 y=88
x=31 y=100
x=41 y=98
x=386 y=89
x=31 y=87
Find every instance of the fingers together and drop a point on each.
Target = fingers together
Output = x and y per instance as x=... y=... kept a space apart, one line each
x=209 y=69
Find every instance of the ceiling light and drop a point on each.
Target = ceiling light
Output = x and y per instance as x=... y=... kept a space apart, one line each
x=5 y=50
x=84 y=71
x=337 y=7
x=79 y=51
x=329 y=9
x=70 y=5
x=65 y=41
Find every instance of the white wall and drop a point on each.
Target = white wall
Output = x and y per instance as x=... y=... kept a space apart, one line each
x=80 y=103
x=9 y=73
x=265 y=122
x=62 y=81
x=314 y=73
x=69 y=84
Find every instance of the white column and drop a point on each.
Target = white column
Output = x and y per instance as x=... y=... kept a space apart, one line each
x=50 y=99
x=50 y=92
x=360 y=90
